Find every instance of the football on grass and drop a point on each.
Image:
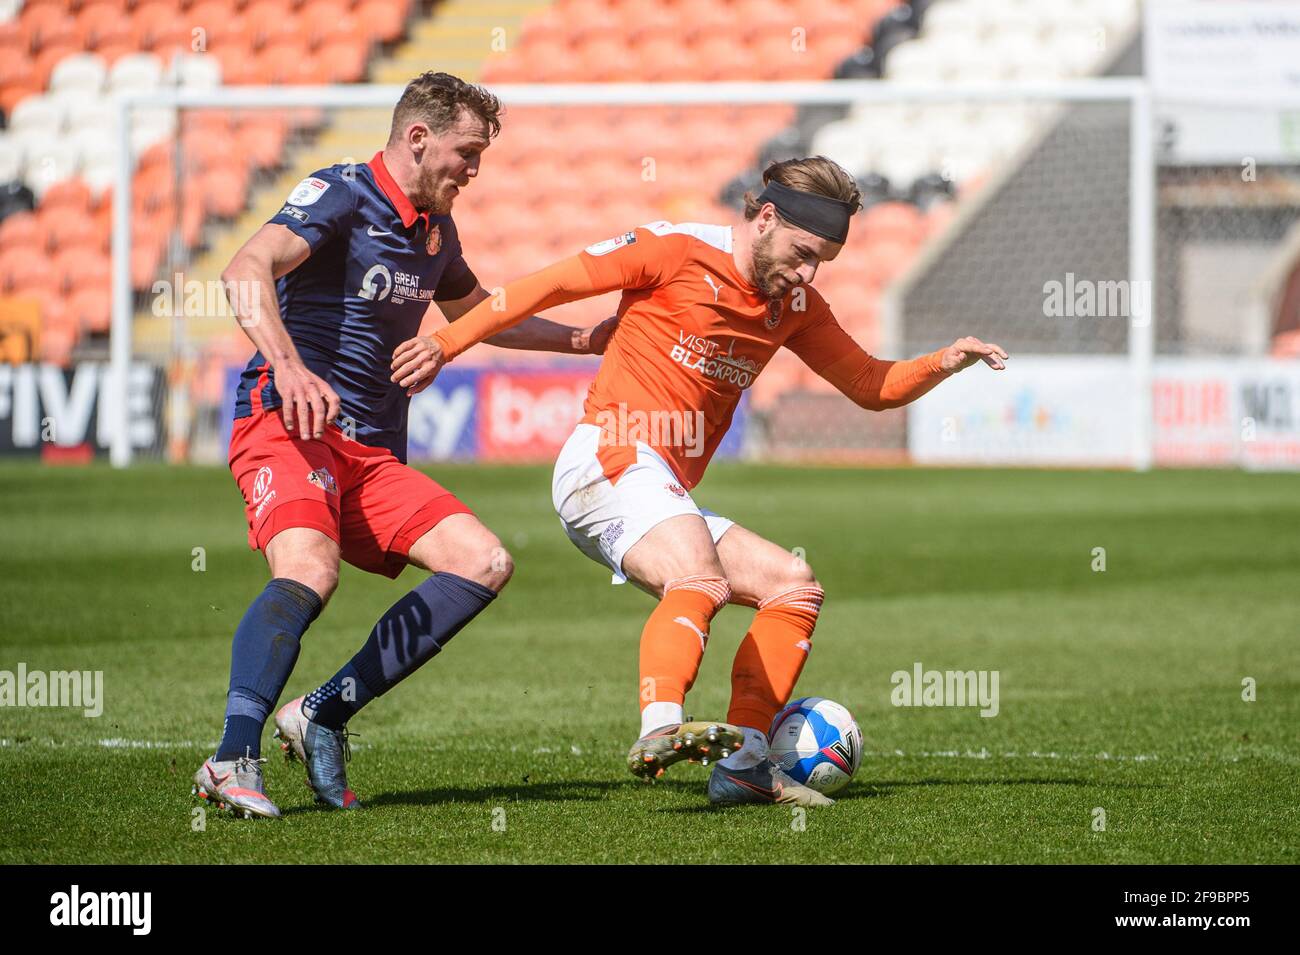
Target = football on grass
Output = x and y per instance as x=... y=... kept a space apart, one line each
x=817 y=743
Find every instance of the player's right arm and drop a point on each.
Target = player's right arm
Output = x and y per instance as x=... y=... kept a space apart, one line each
x=644 y=261
x=249 y=282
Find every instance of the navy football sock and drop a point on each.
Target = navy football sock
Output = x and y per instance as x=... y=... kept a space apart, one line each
x=413 y=631
x=264 y=652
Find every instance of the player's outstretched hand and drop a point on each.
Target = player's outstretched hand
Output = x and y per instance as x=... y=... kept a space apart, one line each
x=308 y=401
x=416 y=363
x=597 y=337
x=965 y=352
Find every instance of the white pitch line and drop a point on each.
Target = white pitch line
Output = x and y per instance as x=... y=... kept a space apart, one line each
x=121 y=743
x=1032 y=754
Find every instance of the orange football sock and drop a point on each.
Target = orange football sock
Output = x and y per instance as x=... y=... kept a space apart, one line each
x=672 y=643
x=772 y=655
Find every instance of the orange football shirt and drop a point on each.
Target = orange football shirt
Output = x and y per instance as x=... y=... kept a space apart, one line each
x=693 y=335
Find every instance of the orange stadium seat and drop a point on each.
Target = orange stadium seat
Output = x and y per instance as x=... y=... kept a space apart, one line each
x=343 y=59
x=548 y=24
x=885 y=262
x=83 y=231
x=48 y=25
x=14 y=40
x=328 y=19
x=50 y=54
x=604 y=59
x=708 y=20
x=69 y=197
x=891 y=221
x=21 y=230
x=551 y=63
x=758 y=18
x=261 y=142
x=645 y=23
x=238 y=65
x=220 y=25
x=145 y=259
x=271 y=22
x=57 y=344
x=17 y=262
x=92 y=308
x=661 y=59
x=193 y=217
x=155 y=18
x=385 y=20
x=224 y=191
x=83 y=269
x=717 y=57
x=40 y=282
x=103 y=24
x=16 y=67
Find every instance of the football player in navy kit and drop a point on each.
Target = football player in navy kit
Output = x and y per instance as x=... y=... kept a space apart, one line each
x=330 y=290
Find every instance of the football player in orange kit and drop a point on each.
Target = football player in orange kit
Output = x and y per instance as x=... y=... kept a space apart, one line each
x=704 y=308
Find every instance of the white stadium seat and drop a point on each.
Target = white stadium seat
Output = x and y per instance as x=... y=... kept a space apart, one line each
x=955 y=17
x=81 y=72
x=913 y=61
x=846 y=142
x=90 y=111
x=47 y=162
x=11 y=159
x=98 y=171
x=958 y=56
x=43 y=113
x=195 y=70
x=137 y=72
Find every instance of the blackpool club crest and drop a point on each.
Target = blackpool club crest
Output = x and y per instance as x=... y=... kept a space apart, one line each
x=773 y=315
x=434 y=241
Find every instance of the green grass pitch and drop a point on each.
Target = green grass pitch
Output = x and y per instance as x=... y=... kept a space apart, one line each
x=1120 y=690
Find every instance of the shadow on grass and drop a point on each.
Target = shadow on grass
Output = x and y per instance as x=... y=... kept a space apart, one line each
x=596 y=790
x=571 y=790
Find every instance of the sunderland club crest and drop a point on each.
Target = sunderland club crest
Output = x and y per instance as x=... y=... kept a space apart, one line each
x=434 y=242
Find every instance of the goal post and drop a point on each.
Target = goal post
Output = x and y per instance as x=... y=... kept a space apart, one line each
x=1138 y=189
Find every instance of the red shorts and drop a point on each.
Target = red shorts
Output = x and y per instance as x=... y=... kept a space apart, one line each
x=370 y=503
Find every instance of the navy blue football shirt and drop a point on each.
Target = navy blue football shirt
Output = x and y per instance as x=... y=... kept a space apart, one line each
x=375 y=265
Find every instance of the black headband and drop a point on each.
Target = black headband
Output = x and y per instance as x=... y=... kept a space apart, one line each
x=821 y=215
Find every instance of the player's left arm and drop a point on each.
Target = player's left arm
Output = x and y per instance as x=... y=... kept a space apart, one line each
x=536 y=333
x=876 y=384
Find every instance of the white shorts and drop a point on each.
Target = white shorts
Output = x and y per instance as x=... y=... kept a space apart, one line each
x=604 y=520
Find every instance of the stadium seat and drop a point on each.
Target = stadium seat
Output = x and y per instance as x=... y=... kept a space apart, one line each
x=11 y=158
x=93 y=308
x=69 y=197
x=84 y=72
x=343 y=58
x=40 y=113
x=385 y=20
x=137 y=72
x=891 y=222
x=48 y=26
x=22 y=230
x=103 y=25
